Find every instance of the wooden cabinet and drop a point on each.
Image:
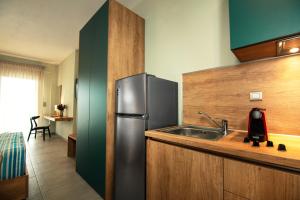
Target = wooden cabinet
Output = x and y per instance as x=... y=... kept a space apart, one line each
x=111 y=47
x=179 y=173
x=255 y=182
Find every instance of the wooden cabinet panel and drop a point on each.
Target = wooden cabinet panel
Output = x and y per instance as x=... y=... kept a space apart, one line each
x=256 y=52
x=259 y=183
x=178 y=173
x=126 y=49
x=230 y=196
x=277 y=78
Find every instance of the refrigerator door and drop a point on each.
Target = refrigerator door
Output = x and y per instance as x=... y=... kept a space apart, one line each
x=130 y=159
x=131 y=95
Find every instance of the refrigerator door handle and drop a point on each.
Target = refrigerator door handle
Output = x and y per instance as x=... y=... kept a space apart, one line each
x=145 y=116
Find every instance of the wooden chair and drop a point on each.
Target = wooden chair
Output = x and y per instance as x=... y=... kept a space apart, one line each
x=36 y=128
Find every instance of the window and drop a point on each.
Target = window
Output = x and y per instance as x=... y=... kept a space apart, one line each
x=18 y=102
x=20 y=95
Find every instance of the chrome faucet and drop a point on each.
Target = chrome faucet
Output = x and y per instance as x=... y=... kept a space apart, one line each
x=223 y=126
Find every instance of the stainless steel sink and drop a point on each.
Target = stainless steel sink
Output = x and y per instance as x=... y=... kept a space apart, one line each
x=199 y=132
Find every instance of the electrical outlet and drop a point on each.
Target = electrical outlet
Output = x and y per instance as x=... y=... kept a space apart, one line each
x=256 y=96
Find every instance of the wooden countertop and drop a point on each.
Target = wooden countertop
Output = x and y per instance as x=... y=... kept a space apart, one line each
x=232 y=146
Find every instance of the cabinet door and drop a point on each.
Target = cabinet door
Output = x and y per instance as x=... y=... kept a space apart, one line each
x=91 y=141
x=178 y=173
x=259 y=183
x=98 y=90
x=83 y=103
x=255 y=21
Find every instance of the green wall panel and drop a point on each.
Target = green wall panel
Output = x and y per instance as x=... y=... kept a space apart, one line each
x=92 y=100
x=254 y=21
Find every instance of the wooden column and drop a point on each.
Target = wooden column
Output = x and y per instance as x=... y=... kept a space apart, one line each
x=126 y=47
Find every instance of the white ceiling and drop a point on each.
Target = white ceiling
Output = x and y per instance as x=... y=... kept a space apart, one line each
x=45 y=30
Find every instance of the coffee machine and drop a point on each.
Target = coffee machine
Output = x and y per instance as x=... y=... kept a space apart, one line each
x=257 y=126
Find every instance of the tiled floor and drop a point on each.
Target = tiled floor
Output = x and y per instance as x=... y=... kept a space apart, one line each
x=52 y=174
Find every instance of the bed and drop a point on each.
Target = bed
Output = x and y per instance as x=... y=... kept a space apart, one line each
x=13 y=173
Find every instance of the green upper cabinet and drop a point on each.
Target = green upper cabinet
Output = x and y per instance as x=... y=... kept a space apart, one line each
x=255 y=21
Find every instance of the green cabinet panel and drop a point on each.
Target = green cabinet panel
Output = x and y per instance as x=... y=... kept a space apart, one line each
x=255 y=21
x=91 y=128
x=98 y=91
x=83 y=103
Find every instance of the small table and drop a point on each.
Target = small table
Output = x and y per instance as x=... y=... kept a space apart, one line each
x=72 y=145
x=58 y=118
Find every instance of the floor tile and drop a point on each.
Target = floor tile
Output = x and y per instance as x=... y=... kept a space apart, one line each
x=52 y=174
x=34 y=189
x=38 y=196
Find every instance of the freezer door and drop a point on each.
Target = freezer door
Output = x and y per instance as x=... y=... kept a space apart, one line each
x=130 y=159
x=131 y=95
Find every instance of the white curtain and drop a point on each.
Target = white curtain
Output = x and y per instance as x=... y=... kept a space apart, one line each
x=20 y=95
x=23 y=71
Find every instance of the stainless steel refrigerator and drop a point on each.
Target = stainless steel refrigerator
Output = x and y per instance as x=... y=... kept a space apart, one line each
x=143 y=102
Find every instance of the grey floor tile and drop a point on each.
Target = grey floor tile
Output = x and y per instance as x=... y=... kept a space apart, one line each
x=34 y=189
x=30 y=169
x=49 y=182
x=38 y=196
x=76 y=191
x=53 y=168
x=52 y=174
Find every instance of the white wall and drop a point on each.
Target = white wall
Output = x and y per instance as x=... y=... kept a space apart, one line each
x=184 y=36
x=66 y=78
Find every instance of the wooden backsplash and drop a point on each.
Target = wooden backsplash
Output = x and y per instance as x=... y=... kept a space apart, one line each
x=224 y=93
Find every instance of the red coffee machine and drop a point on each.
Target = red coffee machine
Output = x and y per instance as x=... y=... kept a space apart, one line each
x=257 y=127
